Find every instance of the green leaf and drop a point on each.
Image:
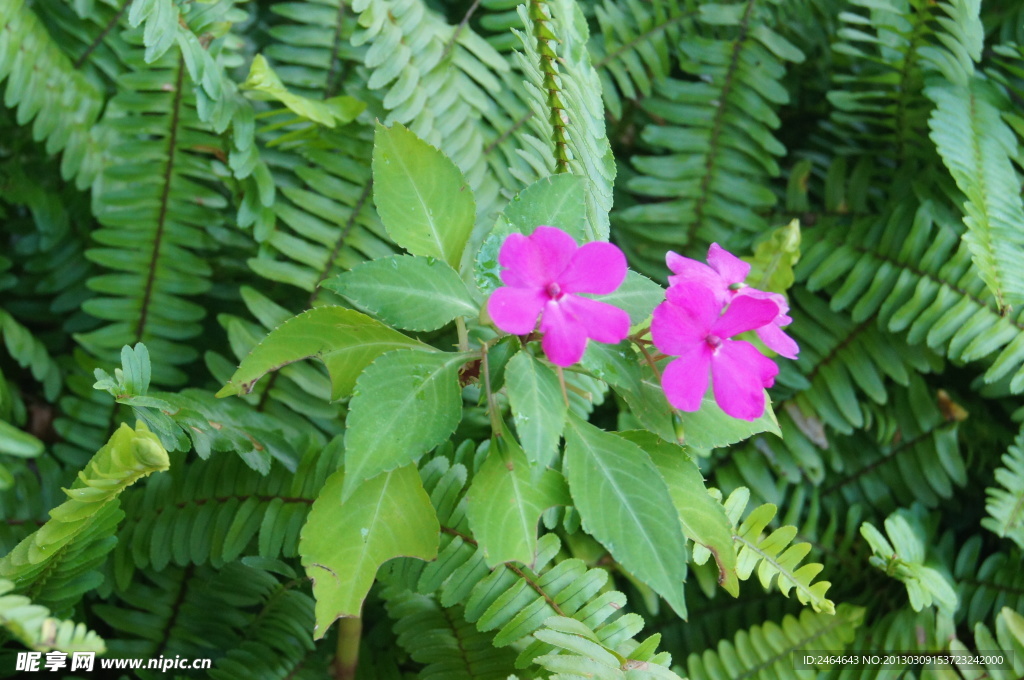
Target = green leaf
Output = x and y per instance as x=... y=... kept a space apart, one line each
x=344 y=542
x=344 y=339
x=33 y=626
x=625 y=504
x=407 y=291
x=265 y=85
x=92 y=501
x=421 y=196
x=506 y=499
x=555 y=201
x=617 y=365
x=15 y=442
x=708 y=428
x=538 y=407
x=771 y=267
x=703 y=517
x=637 y=295
x=404 y=404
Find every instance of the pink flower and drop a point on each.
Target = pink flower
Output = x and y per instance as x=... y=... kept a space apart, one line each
x=689 y=325
x=542 y=274
x=725 y=277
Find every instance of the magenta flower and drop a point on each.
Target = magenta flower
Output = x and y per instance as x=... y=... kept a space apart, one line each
x=689 y=325
x=543 y=273
x=724 y=275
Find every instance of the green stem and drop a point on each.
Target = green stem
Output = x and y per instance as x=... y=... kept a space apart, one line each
x=561 y=381
x=460 y=327
x=492 y=405
x=346 y=659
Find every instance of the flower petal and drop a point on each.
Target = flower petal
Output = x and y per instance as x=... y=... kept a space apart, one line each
x=782 y=319
x=674 y=331
x=699 y=301
x=685 y=380
x=738 y=374
x=596 y=267
x=777 y=341
x=565 y=338
x=515 y=310
x=745 y=313
x=731 y=268
x=603 y=322
x=536 y=260
x=686 y=269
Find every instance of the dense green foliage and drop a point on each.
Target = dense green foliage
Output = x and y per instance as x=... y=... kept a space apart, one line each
x=198 y=196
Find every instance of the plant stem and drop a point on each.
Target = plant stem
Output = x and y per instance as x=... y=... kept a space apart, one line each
x=650 y=361
x=561 y=381
x=492 y=406
x=346 y=658
x=460 y=326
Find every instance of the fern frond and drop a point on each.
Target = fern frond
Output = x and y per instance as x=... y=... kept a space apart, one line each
x=33 y=626
x=25 y=504
x=914 y=454
x=32 y=354
x=633 y=51
x=1005 y=505
x=563 y=93
x=241 y=614
x=716 y=146
x=773 y=555
x=580 y=654
x=903 y=556
x=278 y=639
x=978 y=148
x=512 y=600
x=1007 y=643
x=152 y=230
x=326 y=217
x=414 y=56
x=63 y=103
x=841 y=359
x=440 y=638
x=879 y=102
x=766 y=651
x=52 y=564
x=312 y=43
x=986 y=583
x=212 y=511
x=903 y=629
x=922 y=282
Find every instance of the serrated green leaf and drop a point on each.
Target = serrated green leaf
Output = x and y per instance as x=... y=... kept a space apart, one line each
x=625 y=504
x=703 y=518
x=505 y=502
x=538 y=407
x=421 y=196
x=554 y=201
x=343 y=543
x=637 y=295
x=708 y=428
x=404 y=404
x=344 y=339
x=407 y=291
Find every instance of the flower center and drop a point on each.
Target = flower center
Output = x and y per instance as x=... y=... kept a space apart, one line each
x=714 y=342
x=737 y=286
x=554 y=291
